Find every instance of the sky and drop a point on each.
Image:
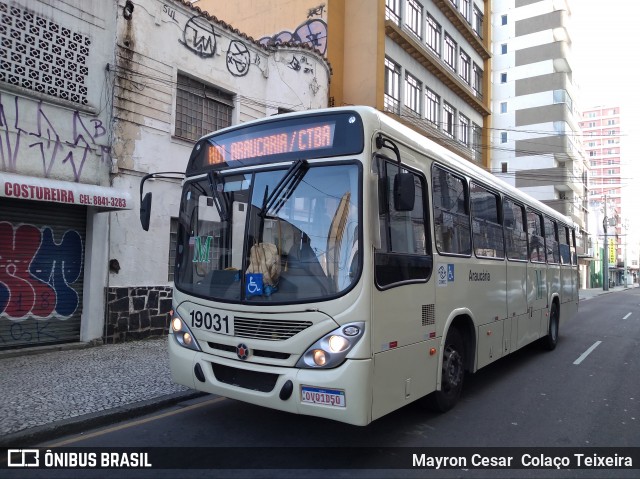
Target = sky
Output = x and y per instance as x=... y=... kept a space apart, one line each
x=604 y=47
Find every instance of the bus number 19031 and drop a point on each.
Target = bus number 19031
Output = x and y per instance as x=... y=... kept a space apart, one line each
x=212 y=322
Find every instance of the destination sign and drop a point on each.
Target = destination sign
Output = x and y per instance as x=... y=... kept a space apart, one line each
x=279 y=139
x=274 y=141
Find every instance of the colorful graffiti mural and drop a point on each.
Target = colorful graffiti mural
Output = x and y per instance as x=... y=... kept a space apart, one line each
x=37 y=273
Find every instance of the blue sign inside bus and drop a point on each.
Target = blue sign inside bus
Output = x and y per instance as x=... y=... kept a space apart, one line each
x=283 y=139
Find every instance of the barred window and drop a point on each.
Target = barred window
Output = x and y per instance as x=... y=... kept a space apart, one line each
x=412 y=91
x=434 y=35
x=414 y=17
x=448 y=124
x=450 y=47
x=200 y=109
x=391 y=86
x=432 y=107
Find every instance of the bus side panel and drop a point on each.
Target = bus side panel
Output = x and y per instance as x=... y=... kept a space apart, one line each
x=529 y=326
x=517 y=311
x=402 y=375
x=569 y=289
x=402 y=321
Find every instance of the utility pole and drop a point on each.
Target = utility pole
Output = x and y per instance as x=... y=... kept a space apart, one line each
x=605 y=250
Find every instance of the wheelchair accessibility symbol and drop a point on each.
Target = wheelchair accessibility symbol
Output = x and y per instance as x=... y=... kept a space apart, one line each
x=254 y=284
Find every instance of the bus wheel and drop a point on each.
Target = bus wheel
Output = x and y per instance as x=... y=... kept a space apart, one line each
x=550 y=341
x=452 y=374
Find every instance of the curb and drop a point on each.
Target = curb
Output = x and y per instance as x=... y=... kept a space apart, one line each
x=55 y=430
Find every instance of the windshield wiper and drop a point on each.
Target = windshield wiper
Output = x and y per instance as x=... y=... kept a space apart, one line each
x=220 y=199
x=284 y=189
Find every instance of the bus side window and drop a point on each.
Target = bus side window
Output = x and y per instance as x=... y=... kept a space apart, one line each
x=405 y=253
x=488 y=240
x=537 y=253
x=450 y=214
x=551 y=237
x=565 y=249
x=515 y=233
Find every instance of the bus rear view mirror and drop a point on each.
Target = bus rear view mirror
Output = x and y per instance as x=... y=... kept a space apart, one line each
x=404 y=192
x=145 y=211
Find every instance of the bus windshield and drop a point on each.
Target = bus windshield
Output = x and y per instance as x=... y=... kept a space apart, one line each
x=246 y=238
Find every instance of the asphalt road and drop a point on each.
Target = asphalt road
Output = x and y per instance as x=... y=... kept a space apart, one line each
x=585 y=393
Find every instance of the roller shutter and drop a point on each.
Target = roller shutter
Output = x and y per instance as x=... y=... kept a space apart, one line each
x=41 y=272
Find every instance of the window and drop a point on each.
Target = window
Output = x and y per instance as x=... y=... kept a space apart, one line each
x=432 y=112
x=200 y=109
x=477 y=80
x=565 y=241
x=434 y=35
x=448 y=124
x=551 y=236
x=503 y=78
x=465 y=9
x=465 y=67
x=414 y=17
x=476 y=142
x=514 y=231
x=478 y=19
x=450 y=47
x=503 y=137
x=412 y=93
x=536 y=239
x=503 y=19
x=173 y=239
x=503 y=107
x=487 y=230
x=405 y=254
x=464 y=130
x=391 y=86
x=503 y=48
x=392 y=11
x=450 y=213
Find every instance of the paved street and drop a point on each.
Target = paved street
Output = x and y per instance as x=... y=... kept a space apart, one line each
x=73 y=387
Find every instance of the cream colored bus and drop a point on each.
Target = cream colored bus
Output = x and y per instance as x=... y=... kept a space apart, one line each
x=335 y=263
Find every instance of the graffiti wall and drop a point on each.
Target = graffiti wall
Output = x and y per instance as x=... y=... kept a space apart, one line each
x=41 y=273
x=43 y=140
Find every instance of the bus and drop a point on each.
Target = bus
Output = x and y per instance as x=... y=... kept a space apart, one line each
x=336 y=263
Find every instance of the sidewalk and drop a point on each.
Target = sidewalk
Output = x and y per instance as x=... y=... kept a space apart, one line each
x=65 y=389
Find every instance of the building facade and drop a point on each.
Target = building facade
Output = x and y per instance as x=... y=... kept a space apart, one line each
x=426 y=63
x=536 y=137
x=55 y=169
x=602 y=128
x=93 y=96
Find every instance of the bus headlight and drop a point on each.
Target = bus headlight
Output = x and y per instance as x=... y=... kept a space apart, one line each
x=183 y=334
x=330 y=350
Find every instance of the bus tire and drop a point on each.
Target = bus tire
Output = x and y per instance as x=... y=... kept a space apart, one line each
x=453 y=362
x=550 y=341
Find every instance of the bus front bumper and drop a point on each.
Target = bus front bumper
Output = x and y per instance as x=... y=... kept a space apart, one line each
x=342 y=394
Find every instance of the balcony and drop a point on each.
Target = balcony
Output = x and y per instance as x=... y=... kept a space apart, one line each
x=431 y=62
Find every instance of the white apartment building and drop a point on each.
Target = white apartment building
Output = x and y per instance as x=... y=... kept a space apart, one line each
x=536 y=139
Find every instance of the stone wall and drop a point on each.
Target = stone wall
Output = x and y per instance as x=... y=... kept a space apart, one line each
x=137 y=313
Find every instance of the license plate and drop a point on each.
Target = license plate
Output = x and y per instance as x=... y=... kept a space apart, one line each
x=327 y=397
x=221 y=323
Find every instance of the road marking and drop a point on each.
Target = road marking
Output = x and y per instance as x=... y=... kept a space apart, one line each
x=135 y=423
x=587 y=352
x=628 y=314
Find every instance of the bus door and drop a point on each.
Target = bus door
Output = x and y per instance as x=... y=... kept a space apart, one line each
x=553 y=269
x=518 y=313
x=403 y=299
x=529 y=328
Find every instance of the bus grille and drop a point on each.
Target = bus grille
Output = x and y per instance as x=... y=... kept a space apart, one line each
x=254 y=380
x=268 y=329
